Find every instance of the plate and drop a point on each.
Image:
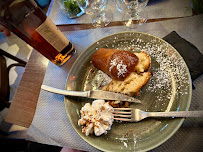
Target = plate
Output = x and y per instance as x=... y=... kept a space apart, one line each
x=169 y=89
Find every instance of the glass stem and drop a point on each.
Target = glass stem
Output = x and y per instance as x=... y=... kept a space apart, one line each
x=134 y=14
x=133 y=6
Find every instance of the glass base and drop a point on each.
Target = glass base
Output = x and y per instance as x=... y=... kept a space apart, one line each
x=61 y=59
x=102 y=19
x=135 y=21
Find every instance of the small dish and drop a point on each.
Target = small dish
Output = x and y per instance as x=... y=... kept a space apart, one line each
x=70 y=8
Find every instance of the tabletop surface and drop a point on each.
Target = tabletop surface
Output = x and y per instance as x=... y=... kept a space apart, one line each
x=22 y=109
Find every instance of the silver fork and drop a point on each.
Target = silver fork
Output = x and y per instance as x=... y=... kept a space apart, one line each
x=135 y=115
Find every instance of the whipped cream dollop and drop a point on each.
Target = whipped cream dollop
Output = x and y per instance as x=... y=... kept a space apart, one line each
x=96 y=118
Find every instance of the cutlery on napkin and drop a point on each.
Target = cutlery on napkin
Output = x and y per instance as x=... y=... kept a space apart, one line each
x=94 y=94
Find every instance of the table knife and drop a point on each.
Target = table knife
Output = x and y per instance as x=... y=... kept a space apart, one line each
x=94 y=94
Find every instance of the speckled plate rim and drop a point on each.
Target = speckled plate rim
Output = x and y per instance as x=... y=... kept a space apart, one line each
x=186 y=108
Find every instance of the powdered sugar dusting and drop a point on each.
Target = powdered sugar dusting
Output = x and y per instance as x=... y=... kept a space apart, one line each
x=170 y=75
x=124 y=141
x=120 y=66
x=170 y=65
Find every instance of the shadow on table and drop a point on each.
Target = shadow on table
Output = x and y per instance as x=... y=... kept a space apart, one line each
x=22 y=145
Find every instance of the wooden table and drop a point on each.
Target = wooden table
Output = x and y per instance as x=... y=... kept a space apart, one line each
x=22 y=109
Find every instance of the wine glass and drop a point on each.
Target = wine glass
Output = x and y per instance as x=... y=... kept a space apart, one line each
x=100 y=16
x=133 y=13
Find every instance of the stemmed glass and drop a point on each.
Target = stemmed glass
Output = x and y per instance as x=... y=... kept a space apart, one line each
x=100 y=16
x=133 y=13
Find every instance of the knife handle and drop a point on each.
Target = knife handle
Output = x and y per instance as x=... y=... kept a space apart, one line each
x=66 y=92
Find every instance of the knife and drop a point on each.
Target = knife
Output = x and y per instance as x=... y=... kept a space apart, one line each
x=94 y=94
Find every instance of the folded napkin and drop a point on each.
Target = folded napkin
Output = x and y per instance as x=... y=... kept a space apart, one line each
x=190 y=53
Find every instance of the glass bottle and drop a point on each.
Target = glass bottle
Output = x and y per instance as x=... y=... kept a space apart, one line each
x=25 y=19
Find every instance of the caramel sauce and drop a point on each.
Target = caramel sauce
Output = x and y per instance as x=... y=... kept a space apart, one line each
x=121 y=64
x=118 y=64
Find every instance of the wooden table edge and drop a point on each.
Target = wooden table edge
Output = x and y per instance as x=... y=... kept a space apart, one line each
x=23 y=106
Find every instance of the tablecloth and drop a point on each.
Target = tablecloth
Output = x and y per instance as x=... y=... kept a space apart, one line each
x=51 y=125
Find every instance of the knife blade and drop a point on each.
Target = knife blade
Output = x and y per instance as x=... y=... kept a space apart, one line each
x=94 y=94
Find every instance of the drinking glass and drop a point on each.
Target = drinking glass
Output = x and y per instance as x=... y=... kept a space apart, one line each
x=100 y=16
x=133 y=13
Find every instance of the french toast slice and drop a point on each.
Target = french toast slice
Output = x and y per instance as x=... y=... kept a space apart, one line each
x=131 y=85
x=135 y=81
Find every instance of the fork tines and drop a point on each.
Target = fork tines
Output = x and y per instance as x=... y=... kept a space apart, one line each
x=122 y=114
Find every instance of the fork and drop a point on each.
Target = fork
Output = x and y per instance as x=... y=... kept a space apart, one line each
x=135 y=115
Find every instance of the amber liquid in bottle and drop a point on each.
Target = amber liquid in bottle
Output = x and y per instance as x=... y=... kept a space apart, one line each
x=28 y=21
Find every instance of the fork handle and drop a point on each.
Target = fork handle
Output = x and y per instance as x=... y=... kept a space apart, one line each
x=176 y=114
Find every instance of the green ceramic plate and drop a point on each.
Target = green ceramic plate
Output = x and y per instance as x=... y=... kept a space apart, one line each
x=169 y=89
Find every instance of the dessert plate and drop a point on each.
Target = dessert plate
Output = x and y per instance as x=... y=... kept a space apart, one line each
x=169 y=89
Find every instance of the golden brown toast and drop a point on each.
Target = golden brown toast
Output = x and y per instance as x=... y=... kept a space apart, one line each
x=144 y=62
x=135 y=81
x=131 y=85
